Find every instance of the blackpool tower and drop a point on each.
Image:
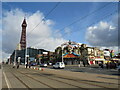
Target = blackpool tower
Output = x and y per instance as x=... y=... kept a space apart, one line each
x=23 y=35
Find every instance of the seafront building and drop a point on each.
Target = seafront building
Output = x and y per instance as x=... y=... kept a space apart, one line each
x=70 y=52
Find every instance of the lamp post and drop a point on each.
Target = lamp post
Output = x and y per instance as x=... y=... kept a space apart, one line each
x=19 y=60
x=25 y=56
x=62 y=53
x=15 y=59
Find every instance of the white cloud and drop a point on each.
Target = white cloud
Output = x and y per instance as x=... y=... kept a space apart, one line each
x=67 y=30
x=102 y=34
x=41 y=37
x=115 y=48
x=4 y=56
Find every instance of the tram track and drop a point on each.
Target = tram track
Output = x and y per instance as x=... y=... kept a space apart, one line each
x=27 y=73
x=71 y=80
x=21 y=81
x=53 y=80
x=29 y=88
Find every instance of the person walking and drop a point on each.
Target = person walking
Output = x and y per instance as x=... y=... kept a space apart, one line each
x=102 y=65
x=17 y=65
x=14 y=65
x=99 y=63
x=84 y=63
x=29 y=64
x=107 y=65
x=26 y=65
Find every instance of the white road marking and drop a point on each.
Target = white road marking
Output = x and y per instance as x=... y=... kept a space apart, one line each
x=1 y=78
x=7 y=81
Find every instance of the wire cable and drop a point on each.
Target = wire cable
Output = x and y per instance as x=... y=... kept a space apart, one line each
x=44 y=18
x=85 y=16
x=94 y=22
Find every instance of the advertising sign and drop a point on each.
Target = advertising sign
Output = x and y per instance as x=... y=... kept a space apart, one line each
x=106 y=53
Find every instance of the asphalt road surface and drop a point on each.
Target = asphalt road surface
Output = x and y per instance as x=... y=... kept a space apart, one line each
x=55 y=79
x=90 y=69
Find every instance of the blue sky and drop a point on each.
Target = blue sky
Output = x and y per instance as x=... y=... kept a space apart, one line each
x=66 y=13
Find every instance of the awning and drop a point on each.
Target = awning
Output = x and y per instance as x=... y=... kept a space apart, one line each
x=72 y=55
x=99 y=59
x=116 y=59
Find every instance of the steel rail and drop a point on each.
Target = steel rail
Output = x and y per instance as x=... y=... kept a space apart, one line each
x=71 y=80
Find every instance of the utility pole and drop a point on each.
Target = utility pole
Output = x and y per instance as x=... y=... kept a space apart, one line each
x=25 y=56
x=62 y=53
x=39 y=60
x=15 y=59
x=19 y=60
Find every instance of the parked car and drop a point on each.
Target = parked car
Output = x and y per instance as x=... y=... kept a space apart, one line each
x=33 y=64
x=59 y=65
x=22 y=64
x=118 y=68
x=43 y=65
x=50 y=63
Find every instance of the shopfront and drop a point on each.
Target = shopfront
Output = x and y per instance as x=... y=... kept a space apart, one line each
x=71 y=59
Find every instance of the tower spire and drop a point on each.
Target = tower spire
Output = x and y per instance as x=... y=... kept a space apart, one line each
x=23 y=35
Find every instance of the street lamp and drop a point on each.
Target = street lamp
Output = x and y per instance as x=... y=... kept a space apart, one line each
x=15 y=59
x=62 y=53
x=25 y=56
x=19 y=59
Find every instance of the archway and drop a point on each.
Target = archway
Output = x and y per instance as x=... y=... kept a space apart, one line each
x=70 y=54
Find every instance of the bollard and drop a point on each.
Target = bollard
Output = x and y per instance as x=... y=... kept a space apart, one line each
x=42 y=69
x=39 y=68
x=36 y=68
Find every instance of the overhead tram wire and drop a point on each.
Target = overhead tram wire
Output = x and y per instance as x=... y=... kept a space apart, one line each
x=72 y=22
x=85 y=16
x=90 y=24
x=38 y=42
x=44 y=18
x=95 y=22
x=52 y=9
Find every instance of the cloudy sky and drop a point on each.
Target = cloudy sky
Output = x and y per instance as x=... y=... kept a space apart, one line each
x=92 y=23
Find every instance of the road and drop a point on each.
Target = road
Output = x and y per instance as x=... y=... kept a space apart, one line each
x=90 y=69
x=55 y=79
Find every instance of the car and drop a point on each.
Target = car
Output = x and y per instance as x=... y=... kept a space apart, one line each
x=43 y=65
x=22 y=64
x=59 y=65
x=118 y=68
x=33 y=64
x=50 y=63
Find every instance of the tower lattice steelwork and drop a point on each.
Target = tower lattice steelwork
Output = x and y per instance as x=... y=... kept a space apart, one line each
x=23 y=35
